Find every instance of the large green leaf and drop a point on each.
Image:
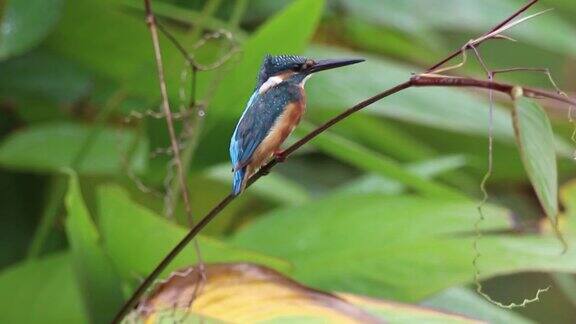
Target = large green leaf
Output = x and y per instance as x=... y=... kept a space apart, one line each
x=101 y=286
x=42 y=291
x=536 y=144
x=25 y=23
x=105 y=51
x=54 y=146
x=286 y=33
x=374 y=162
x=466 y=302
x=397 y=247
x=568 y=199
x=43 y=76
x=389 y=219
x=567 y=7
x=377 y=133
x=394 y=312
x=137 y=239
x=374 y=183
x=273 y=187
x=180 y=12
x=472 y=17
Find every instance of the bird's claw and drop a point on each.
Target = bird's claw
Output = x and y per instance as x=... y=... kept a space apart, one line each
x=280 y=156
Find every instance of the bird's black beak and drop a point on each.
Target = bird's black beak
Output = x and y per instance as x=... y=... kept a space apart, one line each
x=322 y=65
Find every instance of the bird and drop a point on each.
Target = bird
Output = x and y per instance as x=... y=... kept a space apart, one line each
x=272 y=112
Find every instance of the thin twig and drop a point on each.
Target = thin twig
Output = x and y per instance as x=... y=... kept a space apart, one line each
x=151 y=22
x=195 y=110
x=200 y=43
x=495 y=28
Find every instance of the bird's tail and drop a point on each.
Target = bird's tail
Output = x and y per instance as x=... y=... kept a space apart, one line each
x=238 y=184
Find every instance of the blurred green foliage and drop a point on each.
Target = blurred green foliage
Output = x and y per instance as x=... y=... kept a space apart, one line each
x=383 y=204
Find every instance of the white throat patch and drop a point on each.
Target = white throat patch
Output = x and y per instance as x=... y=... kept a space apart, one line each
x=271 y=82
x=304 y=80
x=277 y=79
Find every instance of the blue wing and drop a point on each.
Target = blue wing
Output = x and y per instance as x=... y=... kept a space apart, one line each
x=258 y=118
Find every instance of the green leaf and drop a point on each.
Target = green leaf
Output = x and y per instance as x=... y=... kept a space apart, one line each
x=42 y=76
x=105 y=51
x=374 y=162
x=373 y=38
x=394 y=312
x=286 y=33
x=568 y=199
x=274 y=187
x=25 y=23
x=51 y=147
x=373 y=183
x=101 y=286
x=181 y=13
x=377 y=133
x=465 y=302
x=473 y=17
x=54 y=195
x=42 y=291
x=137 y=239
x=536 y=144
x=396 y=247
x=391 y=219
x=566 y=7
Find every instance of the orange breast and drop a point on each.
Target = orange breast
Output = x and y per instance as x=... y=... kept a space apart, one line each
x=283 y=127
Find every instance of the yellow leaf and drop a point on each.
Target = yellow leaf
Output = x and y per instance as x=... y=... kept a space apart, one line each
x=248 y=293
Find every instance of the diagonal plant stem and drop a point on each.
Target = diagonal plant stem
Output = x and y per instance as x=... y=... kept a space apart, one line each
x=423 y=80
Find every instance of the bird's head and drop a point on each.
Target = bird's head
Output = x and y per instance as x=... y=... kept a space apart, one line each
x=295 y=68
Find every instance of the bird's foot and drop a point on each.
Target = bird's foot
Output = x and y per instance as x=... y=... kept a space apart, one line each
x=280 y=156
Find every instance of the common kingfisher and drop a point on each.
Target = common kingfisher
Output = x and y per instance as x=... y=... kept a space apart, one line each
x=272 y=112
